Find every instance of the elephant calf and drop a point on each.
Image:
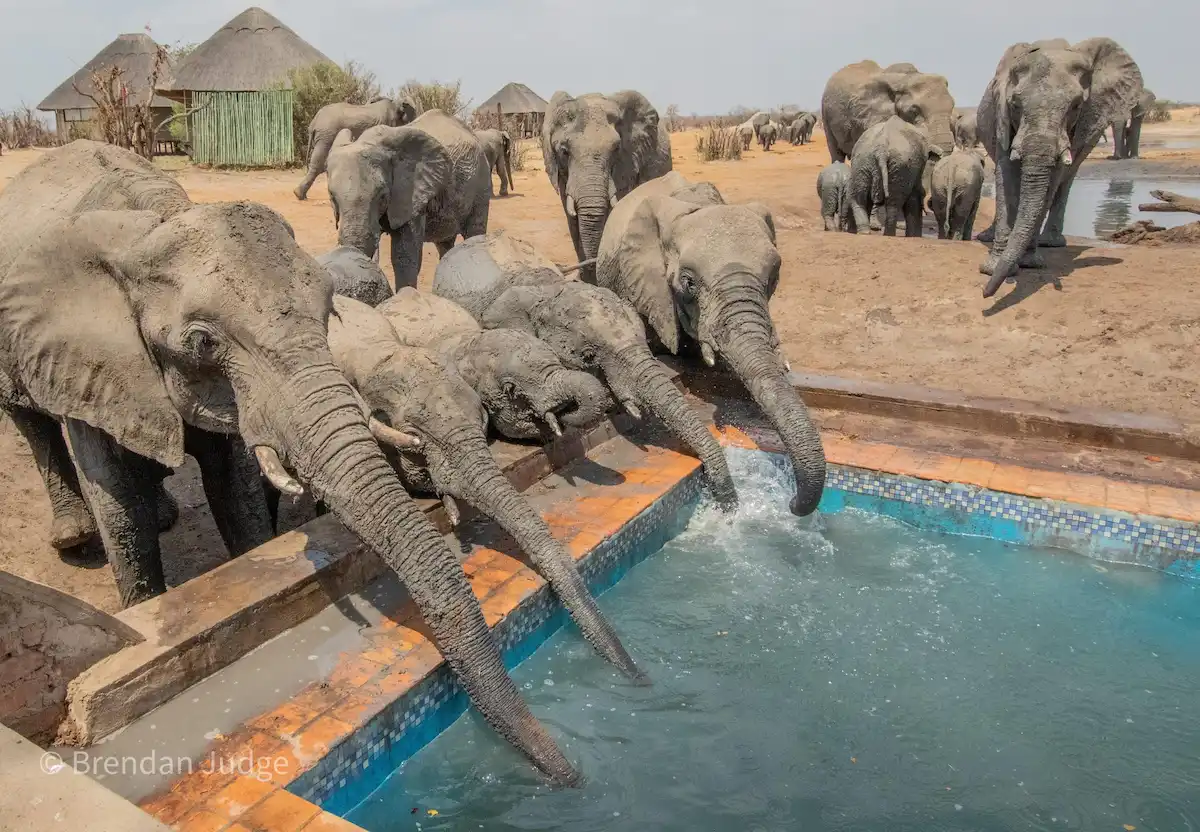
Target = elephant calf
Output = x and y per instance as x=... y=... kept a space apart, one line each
x=357 y=118
x=767 y=135
x=745 y=132
x=833 y=184
x=497 y=147
x=355 y=275
x=955 y=188
x=889 y=161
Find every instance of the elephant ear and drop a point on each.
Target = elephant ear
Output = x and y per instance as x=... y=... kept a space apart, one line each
x=343 y=138
x=639 y=138
x=513 y=309
x=764 y=214
x=71 y=340
x=420 y=169
x=1116 y=85
x=554 y=114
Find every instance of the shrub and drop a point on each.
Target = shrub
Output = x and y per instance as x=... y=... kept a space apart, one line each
x=671 y=119
x=1160 y=112
x=436 y=95
x=325 y=83
x=23 y=127
x=718 y=141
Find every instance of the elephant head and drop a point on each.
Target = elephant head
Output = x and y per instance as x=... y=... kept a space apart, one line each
x=413 y=392
x=1047 y=100
x=919 y=98
x=400 y=111
x=691 y=264
x=598 y=148
x=382 y=181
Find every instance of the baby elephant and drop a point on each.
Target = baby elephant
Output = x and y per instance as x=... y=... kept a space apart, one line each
x=745 y=133
x=889 y=161
x=955 y=187
x=767 y=135
x=833 y=184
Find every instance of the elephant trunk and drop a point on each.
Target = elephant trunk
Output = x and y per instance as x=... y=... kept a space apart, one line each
x=941 y=135
x=745 y=337
x=330 y=447
x=586 y=399
x=1031 y=208
x=635 y=374
x=593 y=197
x=475 y=477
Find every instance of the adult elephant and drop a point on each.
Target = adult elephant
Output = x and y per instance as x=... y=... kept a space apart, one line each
x=702 y=271
x=425 y=182
x=758 y=121
x=745 y=134
x=597 y=148
x=137 y=318
x=1047 y=101
x=357 y=118
x=496 y=146
x=862 y=95
x=803 y=128
x=1127 y=132
x=767 y=135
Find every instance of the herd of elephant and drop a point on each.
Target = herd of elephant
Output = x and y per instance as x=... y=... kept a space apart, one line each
x=797 y=128
x=137 y=327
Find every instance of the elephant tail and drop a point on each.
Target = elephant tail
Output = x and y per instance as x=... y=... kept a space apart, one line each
x=949 y=207
x=505 y=142
x=883 y=175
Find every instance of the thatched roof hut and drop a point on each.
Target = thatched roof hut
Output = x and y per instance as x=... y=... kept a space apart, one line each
x=134 y=55
x=520 y=108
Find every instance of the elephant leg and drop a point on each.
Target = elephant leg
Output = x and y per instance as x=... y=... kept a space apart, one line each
x=1052 y=234
x=914 y=214
x=939 y=216
x=71 y=524
x=862 y=216
x=968 y=226
x=407 y=242
x=891 y=217
x=505 y=171
x=443 y=246
x=1118 y=131
x=233 y=486
x=1133 y=139
x=830 y=222
x=318 y=155
x=119 y=489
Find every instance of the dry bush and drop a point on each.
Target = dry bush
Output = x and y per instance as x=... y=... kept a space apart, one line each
x=23 y=127
x=436 y=95
x=1159 y=112
x=718 y=141
x=672 y=119
x=120 y=119
x=518 y=151
x=325 y=83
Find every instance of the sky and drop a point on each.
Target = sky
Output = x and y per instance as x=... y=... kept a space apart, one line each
x=706 y=56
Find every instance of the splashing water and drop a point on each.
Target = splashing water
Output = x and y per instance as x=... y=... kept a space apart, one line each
x=846 y=672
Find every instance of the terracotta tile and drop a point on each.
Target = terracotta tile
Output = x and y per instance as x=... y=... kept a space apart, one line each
x=169 y=807
x=281 y=812
x=315 y=741
x=1087 y=490
x=477 y=560
x=1011 y=479
x=237 y=798
x=386 y=649
x=872 y=455
x=353 y=671
x=326 y=822
x=1128 y=496
x=733 y=437
x=186 y=794
x=906 y=461
x=584 y=542
x=394 y=683
x=360 y=707
x=487 y=579
x=284 y=720
x=1049 y=484
x=285 y=766
x=508 y=596
x=974 y=472
x=236 y=827
x=418 y=663
x=1176 y=503
x=839 y=450
x=938 y=467
x=202 y=821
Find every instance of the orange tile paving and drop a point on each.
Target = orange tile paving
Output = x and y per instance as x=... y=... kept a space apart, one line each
x=297 y=733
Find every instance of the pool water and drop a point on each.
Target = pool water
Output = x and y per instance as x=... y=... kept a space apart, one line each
x=1099 y=207
x=846 y=672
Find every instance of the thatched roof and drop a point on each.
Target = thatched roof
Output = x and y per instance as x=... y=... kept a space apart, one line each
x=515 y=98
x=134 y=54
x=254 y=51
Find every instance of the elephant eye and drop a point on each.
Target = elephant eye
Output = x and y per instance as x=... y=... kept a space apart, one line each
x=588 y=355
x=199 y=343
x=687 y=283
x=509 y=389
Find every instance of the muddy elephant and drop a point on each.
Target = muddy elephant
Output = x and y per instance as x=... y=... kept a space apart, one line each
x=702 y=272
x=746 y=133
x=357 y=118
x=210 y=319
x=966 y=133
x=1127 y=132
x=597 y=148
x=355 y=275
x=1047 y=101
x=506 y=283
x=862 y=95
x=833 y=187
x=955 y=186
x=889 y=165
x=413 y=391
x=425 y=182
x=767 y=135
x=497 y=148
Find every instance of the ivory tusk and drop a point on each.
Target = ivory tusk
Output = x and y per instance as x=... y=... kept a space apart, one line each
x=577 y=266
x=272 y=468
x=451 y=509
x=570 y=205
x=552 y=422
x=706 y=352
x=391 y=436
x=633 y=410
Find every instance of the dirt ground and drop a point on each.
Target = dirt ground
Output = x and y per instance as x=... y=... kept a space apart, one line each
x=1102 y=326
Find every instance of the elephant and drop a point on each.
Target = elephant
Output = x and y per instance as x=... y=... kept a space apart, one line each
x=357 y=118
x=425 y=182
x=803 y=128
x=757 y=121
x=746 y=133
x=505 y=283
x=1047 y=101
x=862 y=95
x=597 y=148
x=767 y=135
x=1127 y=132
x=955 y=187
x=889 y=164
x=355 y=275
x=966 y=134
x=497 y=146
x=410 y=389
x=147 y=324
x=833 y=184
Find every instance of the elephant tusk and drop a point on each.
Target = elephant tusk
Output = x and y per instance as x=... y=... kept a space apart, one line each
x=577 y=266
x=706 y=352
x=632 y=410
x=451 y=509
x=552 y=422
x=272 y=468
x=612 y=192
x=391 y=436
x=570 y=205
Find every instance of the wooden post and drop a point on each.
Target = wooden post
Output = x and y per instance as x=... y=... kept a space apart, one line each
x=499 y=116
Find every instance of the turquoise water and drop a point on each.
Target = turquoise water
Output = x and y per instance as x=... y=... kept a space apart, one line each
x=847 y=673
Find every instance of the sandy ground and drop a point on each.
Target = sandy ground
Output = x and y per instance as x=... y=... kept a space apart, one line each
x=1101 y=326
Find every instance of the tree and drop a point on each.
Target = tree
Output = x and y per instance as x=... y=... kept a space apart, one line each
x=325 y=83
x=120 y=118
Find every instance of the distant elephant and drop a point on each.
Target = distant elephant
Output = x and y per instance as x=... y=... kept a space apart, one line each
x=833 y=187
x=412 y=390
x=803 y=128
x=355 y=275
x=425 y=182
x=746 y=133
x=1127 y=132
x=889 y=162
x=862 y=95
x=703 y=272
x=966 y=134
x=497 y=146
x=357 y=118
x=151 y=326
x=767 y=134
x=1047 y=100
x=758 y=121
x=597 y=148
x=954 y=191
x=506 y=283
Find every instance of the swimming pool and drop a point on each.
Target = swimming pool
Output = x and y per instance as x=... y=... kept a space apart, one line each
x=847 y=672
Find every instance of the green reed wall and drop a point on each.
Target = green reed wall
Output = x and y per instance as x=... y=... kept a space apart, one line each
x=242 y=129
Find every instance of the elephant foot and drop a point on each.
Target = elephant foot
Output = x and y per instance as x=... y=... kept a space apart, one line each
x=1051 y=239
x=72 y=529
x=988 y=266
x=300 y=194
x=168 y=509
x=504 y=193
x=1032 y=259
x=987 y=235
